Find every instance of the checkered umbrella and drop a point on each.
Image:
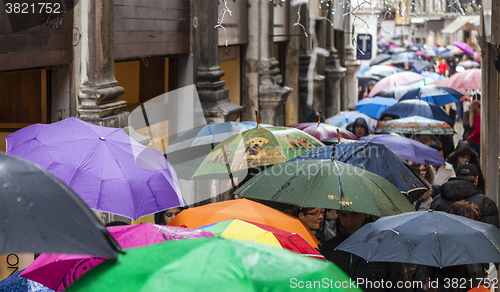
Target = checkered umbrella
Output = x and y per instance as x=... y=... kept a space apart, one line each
x=469 y=79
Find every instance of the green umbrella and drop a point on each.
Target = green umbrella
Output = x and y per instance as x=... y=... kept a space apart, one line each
x=253 y=148
x=212 y=264
x=327 y=184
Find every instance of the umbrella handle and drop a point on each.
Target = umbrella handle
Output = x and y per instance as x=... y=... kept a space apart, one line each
x=338 y=135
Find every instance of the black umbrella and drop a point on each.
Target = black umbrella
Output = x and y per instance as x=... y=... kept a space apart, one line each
x=422 y=65
x=380 y=59
x=376 y=158
x=418 y=107
x=395 y=92
x=39 y=213
x=430 y=238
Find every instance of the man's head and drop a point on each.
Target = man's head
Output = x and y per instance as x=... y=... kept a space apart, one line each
x=351 y=221
x=360 y=127
x=467 y=172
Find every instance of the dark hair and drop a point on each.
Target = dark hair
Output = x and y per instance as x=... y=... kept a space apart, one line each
x=116 y=223
x=465 y=209
x=437 y=147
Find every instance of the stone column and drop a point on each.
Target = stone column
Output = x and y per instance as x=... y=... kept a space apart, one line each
x=352 y=65
x=262 y=76
x=333 y=71
x=94 y=80
x=213 y=97
x=319 y=80
x=292 y=69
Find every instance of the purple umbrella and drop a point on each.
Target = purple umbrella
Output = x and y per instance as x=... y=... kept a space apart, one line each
x=464 y=47
x=408 y=148
x=110 y=171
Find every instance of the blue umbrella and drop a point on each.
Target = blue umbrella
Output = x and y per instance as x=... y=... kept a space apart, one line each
x=362 y=70
x=374 y=106
x=405 y=57
x=380 y=58
x=342 y=119
x=16 y=283
x=420 y=66
x=433 y=75
x=408 y=148
x=438 y=95
x=416 y=107
x=446 y=240
x=188 y=151
x=376 y=158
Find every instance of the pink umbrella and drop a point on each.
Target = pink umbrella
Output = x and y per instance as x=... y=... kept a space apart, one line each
x=323 y=131
x=397 y=79
x=464 y=47
x=469 y=79
x=392 y=46
x=58 y=271
x=477 y=57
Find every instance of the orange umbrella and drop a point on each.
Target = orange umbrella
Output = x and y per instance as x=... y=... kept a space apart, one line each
x=242 y=209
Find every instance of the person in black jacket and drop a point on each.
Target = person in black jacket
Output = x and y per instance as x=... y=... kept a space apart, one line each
x=463 y=187
x=464 y=154
x=368 y=275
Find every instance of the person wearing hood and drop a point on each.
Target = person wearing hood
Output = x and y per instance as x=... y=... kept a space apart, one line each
x=464 y=154
x=360 y=128
x=463 y=187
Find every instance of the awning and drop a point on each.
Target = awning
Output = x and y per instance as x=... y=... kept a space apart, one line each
x=459 y=22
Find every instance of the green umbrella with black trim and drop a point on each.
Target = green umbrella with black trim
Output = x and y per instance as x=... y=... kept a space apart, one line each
x=212 y=264
x=327 y=184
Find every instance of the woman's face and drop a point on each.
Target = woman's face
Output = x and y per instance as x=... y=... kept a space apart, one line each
x=424 y=138
x=463 y=159
x=312 y=218
x=169 y=214
x=421 y=170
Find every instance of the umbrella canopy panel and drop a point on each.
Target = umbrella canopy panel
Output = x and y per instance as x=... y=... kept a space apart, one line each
x=416 y=107
x=416 y=125
x=445 y=240
x=211 y=264
x=327 y=184
x=376 y=158
x=242 y=209
x=253 y=148
x=110 y=171
x=408 y=148
x=39 y=213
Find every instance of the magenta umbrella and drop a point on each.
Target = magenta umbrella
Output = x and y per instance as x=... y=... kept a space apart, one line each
x=322 y=131
x=397 y=79
x=58 y=271
x=110 y=171
x=464 y=47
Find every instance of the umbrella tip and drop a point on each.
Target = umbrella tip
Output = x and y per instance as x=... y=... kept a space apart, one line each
x=319 y=118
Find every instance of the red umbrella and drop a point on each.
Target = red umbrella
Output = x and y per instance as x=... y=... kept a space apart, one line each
x=323 y=131
x=397 y=79
x=469 y=79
